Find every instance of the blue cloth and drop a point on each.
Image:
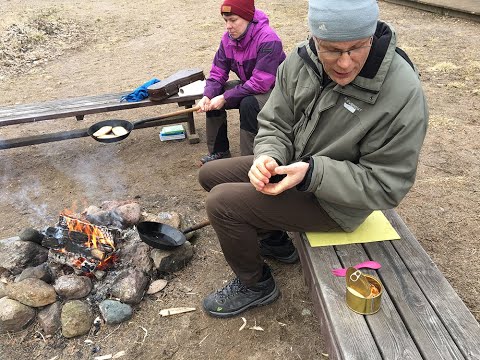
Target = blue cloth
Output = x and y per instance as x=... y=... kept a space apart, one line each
x=140 y=92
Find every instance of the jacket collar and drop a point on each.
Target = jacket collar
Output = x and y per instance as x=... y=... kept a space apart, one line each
x=368 y=82
x=259 y=21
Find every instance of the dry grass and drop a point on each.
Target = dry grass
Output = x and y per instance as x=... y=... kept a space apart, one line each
x=445 y=66
x=441 y=121
x=38 y=38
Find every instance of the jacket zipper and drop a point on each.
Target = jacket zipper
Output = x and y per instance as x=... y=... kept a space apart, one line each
x=241 y=70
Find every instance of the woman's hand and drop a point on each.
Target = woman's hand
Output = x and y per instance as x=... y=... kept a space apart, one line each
x=217 y=103
x=204 y=104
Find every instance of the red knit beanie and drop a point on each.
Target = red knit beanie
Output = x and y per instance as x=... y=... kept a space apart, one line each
x=243 y=8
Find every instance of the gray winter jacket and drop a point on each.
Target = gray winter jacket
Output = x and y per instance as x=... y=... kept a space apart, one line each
x=362 y=140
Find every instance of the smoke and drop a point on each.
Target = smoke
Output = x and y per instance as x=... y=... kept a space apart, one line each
x=22 y=195
x=97 y=174
x=88 y=176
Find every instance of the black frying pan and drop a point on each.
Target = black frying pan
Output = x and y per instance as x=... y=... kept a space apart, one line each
x=128 y=126
x=163 y=236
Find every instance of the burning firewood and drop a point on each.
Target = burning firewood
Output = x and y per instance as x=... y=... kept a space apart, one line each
x=71 y=241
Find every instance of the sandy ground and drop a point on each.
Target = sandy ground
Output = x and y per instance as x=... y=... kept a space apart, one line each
x=116 y=46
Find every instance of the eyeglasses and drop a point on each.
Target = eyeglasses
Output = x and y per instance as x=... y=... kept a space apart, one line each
x=333 y=55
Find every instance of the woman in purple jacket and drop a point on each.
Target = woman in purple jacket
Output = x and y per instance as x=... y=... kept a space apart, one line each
x=252 y=50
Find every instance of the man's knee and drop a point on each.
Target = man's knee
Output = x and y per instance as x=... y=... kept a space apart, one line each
x=205 y=177
x=249 y=109
x=230 y=200
x=217 y=201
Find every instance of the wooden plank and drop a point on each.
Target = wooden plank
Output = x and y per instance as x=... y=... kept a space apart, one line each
x=20 y=114
x=389 y=331
x=312 y=283
x=345 y=330
x=97 y=100
x=443 y=6
x=466 y=9
x=459 y=321
x=427 y=330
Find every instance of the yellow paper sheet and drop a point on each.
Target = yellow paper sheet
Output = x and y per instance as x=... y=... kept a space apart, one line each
x=375 y=228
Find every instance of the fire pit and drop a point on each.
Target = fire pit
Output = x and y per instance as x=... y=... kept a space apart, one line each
x=81 y=267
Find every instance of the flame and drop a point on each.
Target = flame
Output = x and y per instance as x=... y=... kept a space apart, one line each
x=99 y=241
x=94 y=233
x=105 y=263
x=78 y=262
x=74 y=207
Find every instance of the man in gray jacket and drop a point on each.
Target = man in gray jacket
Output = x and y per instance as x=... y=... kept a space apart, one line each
x=339 y=137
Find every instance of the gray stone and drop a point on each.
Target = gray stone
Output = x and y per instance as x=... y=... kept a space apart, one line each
x=169 y=261
x=30 y=234
x=73 y=286
x=41 y=272
x=130 y=213
x=306 y=312
x=16 y=255
x=171 y=218
x=3 y=289
x=14 y=316
x=156 y=286
x=120 y=214
x=137 y=256
x=49 y=318
x=115 y=312
x=76 y=319
x=105 y=218
x=186 y=223
x=129 y=286
x=32 y=292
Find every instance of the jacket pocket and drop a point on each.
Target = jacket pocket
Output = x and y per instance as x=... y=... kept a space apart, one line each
x=300 y=125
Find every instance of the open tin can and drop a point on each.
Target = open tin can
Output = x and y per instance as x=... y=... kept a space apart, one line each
x=364 y=292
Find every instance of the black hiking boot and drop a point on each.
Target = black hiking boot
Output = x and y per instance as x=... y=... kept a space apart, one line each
x=215 y=156
x=235 y=297
x=279 y=247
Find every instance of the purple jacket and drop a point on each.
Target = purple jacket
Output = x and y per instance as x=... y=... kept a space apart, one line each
x=254 y=57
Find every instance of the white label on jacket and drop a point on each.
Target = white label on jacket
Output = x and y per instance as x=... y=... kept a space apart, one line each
x=349 y=107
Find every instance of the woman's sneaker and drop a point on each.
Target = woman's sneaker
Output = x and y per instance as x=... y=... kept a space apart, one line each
x=280 y=248
x=215 y=156
x=235 y=297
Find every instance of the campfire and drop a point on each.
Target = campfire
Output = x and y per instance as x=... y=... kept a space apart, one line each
x=85 y=247
x=87 y=264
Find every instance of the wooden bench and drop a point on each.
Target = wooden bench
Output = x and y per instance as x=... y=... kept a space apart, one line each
x=79 y=107
x=421 y=316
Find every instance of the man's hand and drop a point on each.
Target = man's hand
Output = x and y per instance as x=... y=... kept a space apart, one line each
x=295 y=173
x=204 y=104
x=262 y=169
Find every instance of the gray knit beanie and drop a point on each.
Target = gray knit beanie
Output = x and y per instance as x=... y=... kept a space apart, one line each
x=342 y=20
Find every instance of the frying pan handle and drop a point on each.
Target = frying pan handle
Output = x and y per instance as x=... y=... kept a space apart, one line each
x=196 y=226
x=164 y=116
